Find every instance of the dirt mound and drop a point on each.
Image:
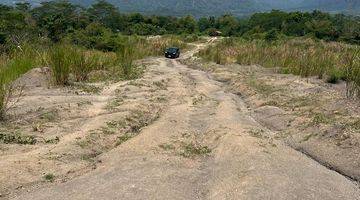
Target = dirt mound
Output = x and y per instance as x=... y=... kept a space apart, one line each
x=37 y=77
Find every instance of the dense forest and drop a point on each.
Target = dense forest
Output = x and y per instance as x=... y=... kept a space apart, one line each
x=96 y=25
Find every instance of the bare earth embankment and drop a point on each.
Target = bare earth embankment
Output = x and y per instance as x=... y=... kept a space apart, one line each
x=229 y=132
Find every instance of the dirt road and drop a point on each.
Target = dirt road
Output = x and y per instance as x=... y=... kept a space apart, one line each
x=204 y=145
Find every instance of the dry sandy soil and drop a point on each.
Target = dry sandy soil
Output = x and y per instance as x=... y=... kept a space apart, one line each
x=177 y=133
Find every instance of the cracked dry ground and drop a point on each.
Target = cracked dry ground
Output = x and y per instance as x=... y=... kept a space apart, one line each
x=176 y=133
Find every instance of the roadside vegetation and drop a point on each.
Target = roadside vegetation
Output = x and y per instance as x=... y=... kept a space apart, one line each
x=74 y=42
x=71 y=63
x=306 y=57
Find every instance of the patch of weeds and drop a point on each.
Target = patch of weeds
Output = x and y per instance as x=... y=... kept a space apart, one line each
x=17 y=138
x=112 y=127
x=160 y=99
x=53 y=140
x=298 y=102
x=355 y=125
x=334 y=77
x=83 y=143
x=90 y=156
x=271 y=103
x=107 y=131
x=90 y=89
x=167 y=147
x=123 y=138
x=258 y=133
x=136 y=83
x=260 y=86
x=197 y=100
x=185 y=135
x=138 y=120
x=191 y=150
x=49 y=177
x=84 y=103
x=320 y=118
x=112 y=124
x=49 y=116
x=38 y=127
x=114 y=103
x=160 y=84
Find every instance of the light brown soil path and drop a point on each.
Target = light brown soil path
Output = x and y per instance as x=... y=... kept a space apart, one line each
x=171 y=158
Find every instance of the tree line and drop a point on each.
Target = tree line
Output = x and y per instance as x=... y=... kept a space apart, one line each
x=59 y=20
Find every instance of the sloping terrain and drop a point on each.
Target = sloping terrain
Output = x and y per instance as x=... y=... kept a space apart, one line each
x=179 y=133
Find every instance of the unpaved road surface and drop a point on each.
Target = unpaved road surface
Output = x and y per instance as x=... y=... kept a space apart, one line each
x=204 y=145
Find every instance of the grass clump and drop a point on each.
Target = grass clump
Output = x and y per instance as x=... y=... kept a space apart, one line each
x=16 y=138
x=167 y=147
x=83 y=62
x=192 y=150
x=60 y=62
x=320 y=118
x=352 y=74
x=123 y=138
x=49 y=177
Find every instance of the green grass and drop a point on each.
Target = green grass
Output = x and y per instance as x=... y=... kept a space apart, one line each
x=191 y=150
x=60 y=63
x=68 y=61
x=12 y=66
x=17 y=138
x=49 y=177
x=123 y=138
x=83 y=62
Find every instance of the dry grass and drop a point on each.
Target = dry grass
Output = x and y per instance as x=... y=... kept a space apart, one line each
x=305 y=57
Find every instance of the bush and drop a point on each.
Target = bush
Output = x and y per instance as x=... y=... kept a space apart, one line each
x=271 y=35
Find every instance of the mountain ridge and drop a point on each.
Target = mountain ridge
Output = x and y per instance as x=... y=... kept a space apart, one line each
x=200 y=8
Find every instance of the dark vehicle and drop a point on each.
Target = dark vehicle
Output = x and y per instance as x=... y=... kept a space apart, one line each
x=172 y=52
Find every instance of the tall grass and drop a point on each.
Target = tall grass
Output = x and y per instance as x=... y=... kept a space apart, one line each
x=125 y=60
x=60 y=63
x=304 y=57
x=12 y=66
x=83 y=62
x=352 y=72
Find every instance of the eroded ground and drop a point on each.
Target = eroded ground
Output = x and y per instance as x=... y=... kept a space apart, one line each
x=180 y=133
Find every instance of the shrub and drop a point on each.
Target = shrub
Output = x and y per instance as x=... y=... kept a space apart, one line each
x=271 y=35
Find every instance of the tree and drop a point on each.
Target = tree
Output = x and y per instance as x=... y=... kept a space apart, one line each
x=228 y=25
x=56 y=18
x=187 y=24
x=204 y=24
x=23 y=6
x=107 y=14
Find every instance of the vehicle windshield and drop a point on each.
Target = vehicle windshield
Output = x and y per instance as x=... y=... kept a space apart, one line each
x=171 y=50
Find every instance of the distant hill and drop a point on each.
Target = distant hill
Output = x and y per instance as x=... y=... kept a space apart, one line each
x=218 y=7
